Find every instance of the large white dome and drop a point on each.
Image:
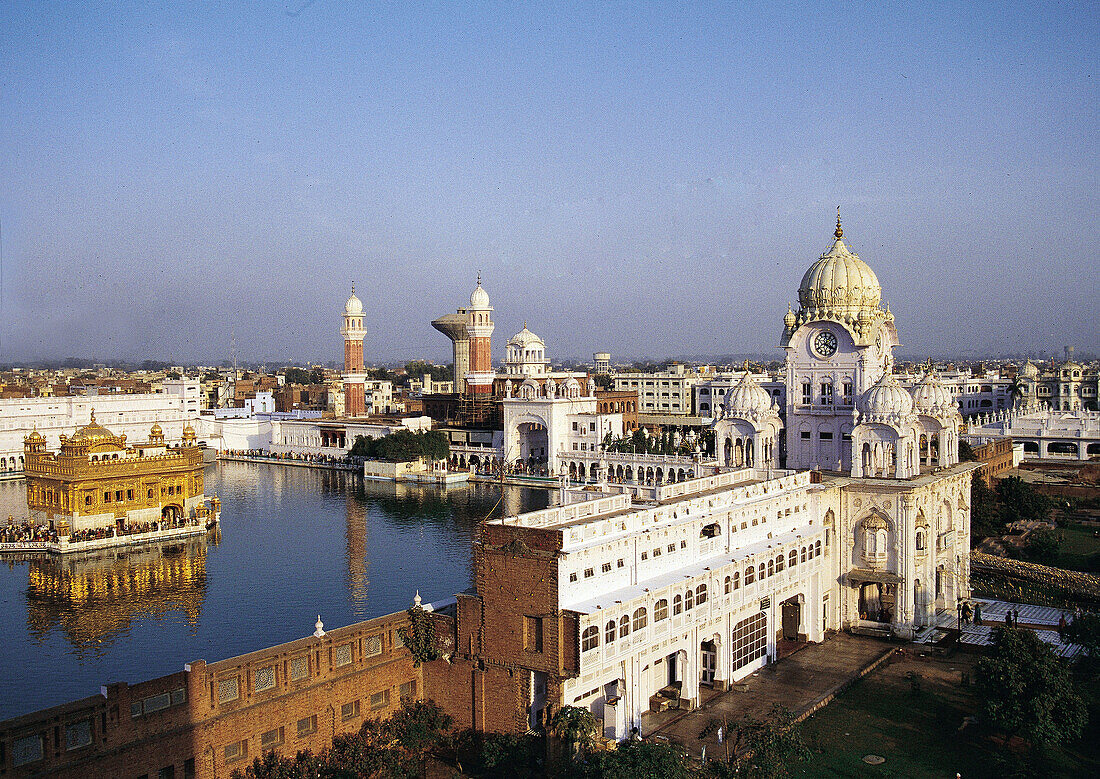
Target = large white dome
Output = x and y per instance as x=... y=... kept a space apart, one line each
x=746 y=398
x=887 y=398
x=839 y=282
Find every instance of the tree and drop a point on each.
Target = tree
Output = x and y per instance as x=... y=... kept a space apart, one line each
x=966 y=452
x=576 y=728
x=305 y=765
x=1084 y=631
x=1020 y=501
x=1027 y=691
x=638 y=759
x=1042 y=545
x=418 y=727
x=296 y=376
x=774 y=745
x=1017 y=388
x=419 y=636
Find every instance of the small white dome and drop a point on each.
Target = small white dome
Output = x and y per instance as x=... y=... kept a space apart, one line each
x=886 y=398
x=930 y=396
x=354 y=306
x=746 y=398
x=479 y=298
x=525 y=339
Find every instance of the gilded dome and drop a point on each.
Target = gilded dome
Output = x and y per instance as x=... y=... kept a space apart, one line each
x=930 y=396
x=35 y=437
x=886 y=398
x=156 y=431
x=839 y=282
x=354 y=306
x=479 y=298
x=93 y=433
x=746 y=398
x=188 y=432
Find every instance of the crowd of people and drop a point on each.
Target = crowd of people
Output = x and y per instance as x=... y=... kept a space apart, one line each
x=321 y=459
x=13 y=533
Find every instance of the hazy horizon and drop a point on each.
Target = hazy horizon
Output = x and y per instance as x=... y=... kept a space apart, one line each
x=642 y=179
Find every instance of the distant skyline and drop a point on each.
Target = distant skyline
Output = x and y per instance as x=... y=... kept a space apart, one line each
x=648 y=179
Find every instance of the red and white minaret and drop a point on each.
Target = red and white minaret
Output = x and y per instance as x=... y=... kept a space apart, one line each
x=355 y=404
x=479 y=379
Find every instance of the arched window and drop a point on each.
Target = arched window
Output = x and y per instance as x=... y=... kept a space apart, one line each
x=817 y=546
x=728 y=586
x=609 y=633
x=920 y=540
x=689 y=600
x=677 y=605
x=700 y=595
x=660 y=610
x=760 y=574
x=736 y=580
x=750 y=575
x=771 y=567
x=792 y=558
x=624 y=626
x=780 y=562
x=590 y=638
x=803 y=554
x=641 y=619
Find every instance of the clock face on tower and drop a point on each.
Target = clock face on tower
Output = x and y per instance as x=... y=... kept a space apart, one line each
x=824 y=344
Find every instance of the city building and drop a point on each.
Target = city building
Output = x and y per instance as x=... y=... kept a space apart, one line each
x=601 y=363
x=128 y=414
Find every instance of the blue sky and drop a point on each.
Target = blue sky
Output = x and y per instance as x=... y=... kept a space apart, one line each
x=647 y=178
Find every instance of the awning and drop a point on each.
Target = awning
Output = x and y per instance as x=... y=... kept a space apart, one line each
x=882 y=577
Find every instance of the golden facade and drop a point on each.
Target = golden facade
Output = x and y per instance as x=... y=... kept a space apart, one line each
x=96 y=480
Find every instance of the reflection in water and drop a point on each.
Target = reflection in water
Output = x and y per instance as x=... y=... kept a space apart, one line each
x=295 y=542
x=95 y=598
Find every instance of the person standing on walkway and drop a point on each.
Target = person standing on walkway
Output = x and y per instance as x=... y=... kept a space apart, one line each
x=967 y=611
x=977 y=612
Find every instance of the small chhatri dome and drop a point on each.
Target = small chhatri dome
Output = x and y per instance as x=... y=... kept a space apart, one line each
x=839 y=282
x=479 y=299
x=188 y=433
x=747 y=398
x=35 y=437
x=354 y=306
x=930 y=396
x=156 y=432
x=887 y=398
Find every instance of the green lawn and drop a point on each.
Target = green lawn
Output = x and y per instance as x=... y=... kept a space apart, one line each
x=1077 y=547
x=917 y=733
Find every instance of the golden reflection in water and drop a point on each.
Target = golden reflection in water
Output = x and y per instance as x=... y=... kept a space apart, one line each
x=356 y=535
x=95 y=598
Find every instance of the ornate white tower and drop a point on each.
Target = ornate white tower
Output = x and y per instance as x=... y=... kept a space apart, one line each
x=354 y=372
x=839 y=344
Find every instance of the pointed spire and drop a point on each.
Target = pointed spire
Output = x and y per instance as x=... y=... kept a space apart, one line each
x=479 y=278
x=839 y=232
x=319 y=628
x=353 y=288
x=93 y=416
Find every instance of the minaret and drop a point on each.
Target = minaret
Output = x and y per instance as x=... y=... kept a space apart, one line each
x=354 y=373
x=479 y=379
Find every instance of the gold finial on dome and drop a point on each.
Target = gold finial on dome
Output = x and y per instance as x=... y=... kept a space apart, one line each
x=93 y=416
x=839 y=232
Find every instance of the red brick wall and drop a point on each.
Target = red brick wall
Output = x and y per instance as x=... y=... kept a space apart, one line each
x=198 y=727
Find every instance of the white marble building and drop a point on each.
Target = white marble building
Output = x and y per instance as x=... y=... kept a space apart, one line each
x=694 y=583
x=130 y=415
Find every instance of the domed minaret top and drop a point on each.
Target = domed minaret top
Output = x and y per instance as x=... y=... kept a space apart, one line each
x=479 y=298
x=354 y=306
x=839 y=283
